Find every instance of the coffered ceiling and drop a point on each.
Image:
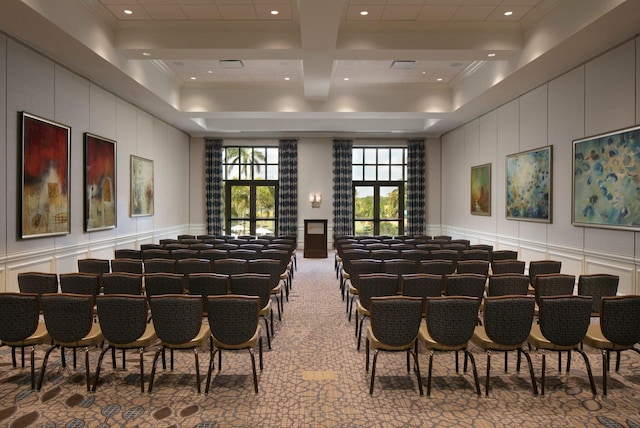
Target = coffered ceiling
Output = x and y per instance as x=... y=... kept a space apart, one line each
x=308 y=67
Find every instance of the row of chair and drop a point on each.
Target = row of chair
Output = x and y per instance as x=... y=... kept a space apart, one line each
x=451 y=323
x=122 y=323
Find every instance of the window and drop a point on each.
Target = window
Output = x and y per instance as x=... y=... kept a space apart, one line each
x=379 y=181
x=250 y=177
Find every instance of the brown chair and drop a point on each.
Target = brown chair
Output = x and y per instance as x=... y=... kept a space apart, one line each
x=20 y=326
x=506 y=327
x=256 y=284
x=122 y=283
x=190 y=266
x=394 y=326
x=91 y=265
x=400 y=266
x=38 y=282
x=127 y=253
x=503 y=255
x=563 y=324
x=474 y=254
x=184 y=253
x=540 y=267
x=499 y=267
x=206 y=284
x=234 y=326
x=619 y=330
x=126 y=265
x=421 y=285
x=443 y=254
x=156 y=253
x=508 y=284
x=80 y=283
x=438 y=267
x=597 y=286
x=373 y=285
x=479 y=267
x=160 y=265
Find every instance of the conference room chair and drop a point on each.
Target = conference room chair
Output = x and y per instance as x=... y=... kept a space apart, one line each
x=540 y=267
x=508 y=284
x=160 y=265
x=421 y=285
x=184 y=253
x=475 y=254
x=38 y=282
x=205 y=284
x=506 y=326
x=177 y=320
x=176 y=246
x=618 y=330
x=123 y=322
x=69 y=321
x=145 y=247
x=212 y=254
x=373 y=285
x=122 y=283
x=444 y=254
x=479 y=267
x=190 y=266
x=450 y=324
x=496 y=255
x=234 y=326
x=597 y=286
x=92 y=265
x=416 y=255
x=272 y=268
x=563 y=324
x=20 y=326
x=259 y=285
x=485 y=247
x=127 y=265
x=80 y=283
x=499 y=267
x=394 y=326
x=401 y=266
x=230 y=266
x=358 y=268
x=127 y=253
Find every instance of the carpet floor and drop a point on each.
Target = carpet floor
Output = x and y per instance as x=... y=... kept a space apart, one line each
x=314 y=377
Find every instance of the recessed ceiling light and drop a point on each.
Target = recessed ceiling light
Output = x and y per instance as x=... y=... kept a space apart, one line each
x=508 y=13
x=424 y=72
x=193 y=78
x=128 y=12
x=345 y=79
x=491 y=55
x=364 y=13
x=210 y=71
x=274 y=12
x=146 y=54
x=287 y=78
x=439 y=79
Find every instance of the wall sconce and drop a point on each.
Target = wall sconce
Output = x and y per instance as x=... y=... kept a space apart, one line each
x=315 y=199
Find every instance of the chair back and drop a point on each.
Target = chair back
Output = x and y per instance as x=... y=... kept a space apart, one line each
x=395 y=320
x=564 y=320
x=80 y=283
x=230 y=266
x=38 y=282
x=620 y=319
x=68 y=316
x=123 y=317
x=480 y=267
x=126 y=265
x=94 y=266
x=444 y=254
x=507 y=266
x=243 y=253
x=540 y=267
x=252 y=284
x=122 y=283
x=465 y=284
x=598 y=286
x=508 y=319
x=128 y=253
x=177 y=318
x=451 y=320
x=184 y=253
x=416 y=255
x=163 y=283
x=233 y=319
x=474 y=254
x=503 y=255
x=554 y=284
x=145 y=247
x=438 y=267
x=376 y=285
x=400 y=266
x=421 y=285
x=160 y=265
x=190 y=266
x=508 y=284
x=364 y=266
x=270 y=267
x=156 y=253
x=213 y=254
x=384 y=254
x=19 y=315
x=176 y=246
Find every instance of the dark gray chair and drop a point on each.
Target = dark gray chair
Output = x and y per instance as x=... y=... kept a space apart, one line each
x=597 y=286
x=373 y=285
x=127 y=265
x=256 y=284
x=38 y=282
x=122 y=283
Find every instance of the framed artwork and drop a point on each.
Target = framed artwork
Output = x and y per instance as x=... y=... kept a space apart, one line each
x=99 y=183
x=481 y=189
x=141 y=186
x=606 y=185
x=46 y=154
x=528 y=190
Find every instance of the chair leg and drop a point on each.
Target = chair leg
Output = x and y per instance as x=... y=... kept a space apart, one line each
x=533 y=378
x=417 y=365
x=141 y=370
x=429 y=375
x=475 y=371
x=544 y=367
x=210 y=369
x=253 y=368
x=605 y=364
x=195 y=353
x=86 y=364
x=366 y=346
x=44 y=366
x=260 y=353
x=586 y=362
x=360 y=332
x=266 y=327
x=33 y=369
x=99 y=366
x=153 y=368
x=486 y=382
x=373 y=370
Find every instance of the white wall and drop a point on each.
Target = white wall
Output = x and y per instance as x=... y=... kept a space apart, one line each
x=33 y=83
x=600 y=95
x=315 y=174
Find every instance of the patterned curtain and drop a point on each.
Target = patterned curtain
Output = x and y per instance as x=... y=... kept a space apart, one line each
x=213 y=185
x=342 y=191
x=288 y=188
x=415 y=188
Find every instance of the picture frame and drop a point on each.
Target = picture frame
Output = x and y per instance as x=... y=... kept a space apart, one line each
x=480 y=195
x=529 y=185
x=605 y=180
x=100 y=211
x=45 y=177
x=142 y=193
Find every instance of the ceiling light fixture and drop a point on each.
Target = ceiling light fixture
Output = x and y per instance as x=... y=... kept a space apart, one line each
x=231 y=63
x=210 y=71
x=491 y=55
x=287 y=78
x=128 y=12
x=274 y=12
x=364 y=13
x=403 y=64
x=146 y=54
x=508 y=13
x=193 y=78
x=345 y=79
x=439 y=79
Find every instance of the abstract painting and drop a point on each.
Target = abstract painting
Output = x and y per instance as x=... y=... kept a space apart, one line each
x=528 y=190
x=481 y=189
x=141 y=186
x=45 y=177
x=99 y=183
x=606 y=185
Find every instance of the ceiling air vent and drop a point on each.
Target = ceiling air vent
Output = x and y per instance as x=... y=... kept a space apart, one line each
x=231 y=63
x=403 y=64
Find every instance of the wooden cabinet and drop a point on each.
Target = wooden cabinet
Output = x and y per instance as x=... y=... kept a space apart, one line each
x=315 y=238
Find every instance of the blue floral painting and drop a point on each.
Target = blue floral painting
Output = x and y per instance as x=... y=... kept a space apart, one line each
x=529 y=185
x=606 y=186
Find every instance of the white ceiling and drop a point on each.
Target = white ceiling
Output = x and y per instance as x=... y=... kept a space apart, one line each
x=319 y=67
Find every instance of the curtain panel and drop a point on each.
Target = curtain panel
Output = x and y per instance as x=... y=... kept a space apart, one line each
x=342 y=191
x=288 y=188
x=415 y=188
x=213 y=185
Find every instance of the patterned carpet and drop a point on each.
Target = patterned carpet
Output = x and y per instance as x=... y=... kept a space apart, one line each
x=315 y=377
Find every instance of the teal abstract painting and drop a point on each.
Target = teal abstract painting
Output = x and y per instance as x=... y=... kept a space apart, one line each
x=528 y=189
